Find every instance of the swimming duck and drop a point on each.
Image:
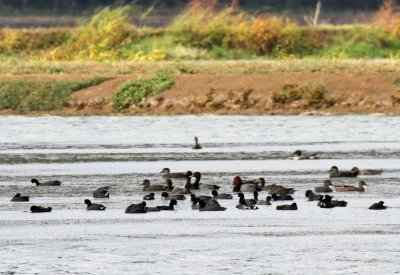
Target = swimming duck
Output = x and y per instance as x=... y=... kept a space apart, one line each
x=278 y=189
x=40 y=209
x=201 y=197
x=149 y=197
x=203 y=206
x=378 y=206
x=19 y=198
x=327 y=202
x=138 y=208
x=166 y=196
x=246 y=204
x=217 y=196
x=101 y=192
x=369 y=172
x=189 y=185
x=166 y=174
x=299 y=155
x=151 y=187
x=169 y=207
x=197 y=184
x=196 y=145
x=334 y=173
x=47 y=183
x=292 y=206
x=261 y=202
x=313 y=197
x=283 y=197
x=177 y=191
x=350 y=188
x=325 y=188
x=94 y=206
x=238 y=185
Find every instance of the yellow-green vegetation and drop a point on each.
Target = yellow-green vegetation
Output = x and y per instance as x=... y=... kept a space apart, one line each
x=136 y=90
x=309 y=96
x=40 y=95
x=203 y=32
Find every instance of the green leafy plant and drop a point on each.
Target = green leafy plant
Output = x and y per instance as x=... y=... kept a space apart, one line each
x=136 y=90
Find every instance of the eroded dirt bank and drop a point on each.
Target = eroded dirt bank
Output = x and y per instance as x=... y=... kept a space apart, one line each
x=365 y=93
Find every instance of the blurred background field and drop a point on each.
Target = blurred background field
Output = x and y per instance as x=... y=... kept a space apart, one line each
x=197 y=30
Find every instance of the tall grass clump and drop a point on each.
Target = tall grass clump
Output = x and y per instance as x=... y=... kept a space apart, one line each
x=25 y=41
x=305 y=95
x=99 y=39
x=204 y=26
x=136 y=90
x=40 y=95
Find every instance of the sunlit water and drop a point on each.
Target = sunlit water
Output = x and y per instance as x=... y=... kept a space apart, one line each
x=89 y=152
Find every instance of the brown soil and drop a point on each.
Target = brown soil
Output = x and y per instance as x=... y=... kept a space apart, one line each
x=365 y=93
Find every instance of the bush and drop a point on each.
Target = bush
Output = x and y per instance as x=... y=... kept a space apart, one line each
x=136 y=90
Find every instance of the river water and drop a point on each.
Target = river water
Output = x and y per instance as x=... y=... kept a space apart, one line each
x=89 y=152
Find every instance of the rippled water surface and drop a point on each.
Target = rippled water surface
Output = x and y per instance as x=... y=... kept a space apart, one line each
x=89 y=152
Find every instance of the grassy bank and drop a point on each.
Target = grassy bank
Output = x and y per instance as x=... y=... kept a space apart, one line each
x=203 y=32
x=28 y=96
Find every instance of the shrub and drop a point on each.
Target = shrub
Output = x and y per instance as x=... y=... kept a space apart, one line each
x=136 y=90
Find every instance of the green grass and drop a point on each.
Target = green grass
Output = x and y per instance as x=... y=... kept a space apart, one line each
x=40 y=95
x=135 y=91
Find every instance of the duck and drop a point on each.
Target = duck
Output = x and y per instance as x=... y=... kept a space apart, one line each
x=378 y=206
x=292 y=206
x=152 y=187
x=313 y=197
x=166 y=174
x=350 y=188
x=261 y=202
x=102 y=192
x=369 y=172
x=201 y=197
x=244 y=204
x=40 y=209
x=283 y=197
x=299 y=155
x=203 y=206
x=19 y=198
x=238 y=185
x=279 y=189
x=196 y=145
x=335 y=173
x=169 y=207
x=47 y=183
x=327 y=202
x=217 y=196
x=166 y=196
x=94 y=206
x=189 y=185
x=198 y=185
x=138 y=208
x=324 y=188
x=149 y=197
x=178 y=191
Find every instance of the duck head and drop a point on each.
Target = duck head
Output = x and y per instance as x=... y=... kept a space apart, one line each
x=146 y=182
x=297 y=153
x=35 y=181
x=197 y=175
x=87 y=202
x=173 y=202
x=165 y=171
x=164 y=195
x=309 y=193
x=327 y=183
x=214 y=193
x=169 y=183
x=237 y=183
x=17 y=195
x=202 y=203
x=261 y=182
x=188 y=174
x=334 y=169
x=362 y=183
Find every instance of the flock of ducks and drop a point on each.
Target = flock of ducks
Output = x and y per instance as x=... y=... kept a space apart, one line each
x=210 y=202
